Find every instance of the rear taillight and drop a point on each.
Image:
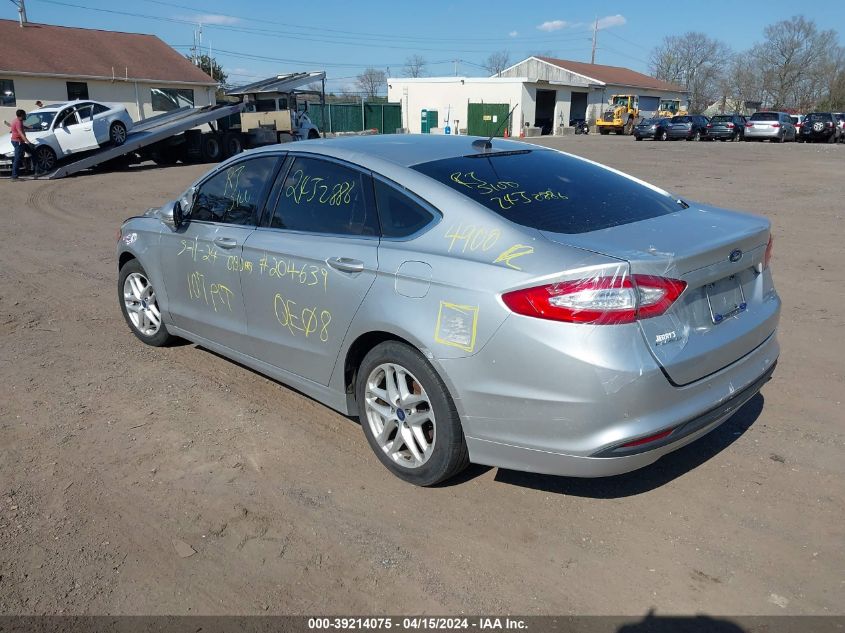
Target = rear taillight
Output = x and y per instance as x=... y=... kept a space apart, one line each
x=709 y=125
x=775 y=124
x=749 y=124
x=767 y=257
x=731 y=125
x=599 y=300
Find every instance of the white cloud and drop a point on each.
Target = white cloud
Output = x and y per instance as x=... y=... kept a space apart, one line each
x=513 y=33
x=553 y=25
x=611 y=20
x=210 y=18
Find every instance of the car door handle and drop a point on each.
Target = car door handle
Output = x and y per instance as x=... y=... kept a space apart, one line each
x=345 y=264
x=225 y=242
x=86 y=129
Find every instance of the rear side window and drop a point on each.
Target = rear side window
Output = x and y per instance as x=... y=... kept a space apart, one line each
x=99 y=108
x=764 y=116
x=400 y=215
x=233 y=195
x=320 y=196
x=550 y=191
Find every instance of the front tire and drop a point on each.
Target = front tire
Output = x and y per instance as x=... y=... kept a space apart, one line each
x=117 y=133
x=139 y=305
x=408 y=416
x=44 y=159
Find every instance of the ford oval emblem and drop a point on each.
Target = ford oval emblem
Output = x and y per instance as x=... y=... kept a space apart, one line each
x=736 y=255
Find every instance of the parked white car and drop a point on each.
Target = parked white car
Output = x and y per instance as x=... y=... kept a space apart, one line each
x=62 y=129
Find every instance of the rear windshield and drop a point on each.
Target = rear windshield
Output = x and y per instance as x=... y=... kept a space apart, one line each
x=681 y=119
x=819 y=116
x=550 y=191
x=721 y=118
x=764 y=116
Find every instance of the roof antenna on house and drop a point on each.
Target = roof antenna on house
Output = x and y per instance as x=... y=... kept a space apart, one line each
x=21 y=5
x=488 y=143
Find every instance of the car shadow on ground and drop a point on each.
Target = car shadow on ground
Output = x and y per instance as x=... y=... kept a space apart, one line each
x=680 y=624
x=663 y=471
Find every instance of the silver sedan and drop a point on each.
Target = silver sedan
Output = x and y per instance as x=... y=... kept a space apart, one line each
x=497 y=303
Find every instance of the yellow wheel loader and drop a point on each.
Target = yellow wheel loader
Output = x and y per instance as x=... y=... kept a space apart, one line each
x=621 y=116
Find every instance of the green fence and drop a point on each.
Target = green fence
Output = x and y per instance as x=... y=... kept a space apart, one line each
x=355 y=117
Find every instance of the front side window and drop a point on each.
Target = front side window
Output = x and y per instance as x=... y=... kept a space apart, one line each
x=7 y=93
x=399 y=214
x=234 y=194
x=77 y=90
x=320 y=196
x=549 y=191
x=166 y=99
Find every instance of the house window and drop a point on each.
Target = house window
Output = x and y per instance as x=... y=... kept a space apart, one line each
x=166 y=99
x=77 y=90
x=7 y=93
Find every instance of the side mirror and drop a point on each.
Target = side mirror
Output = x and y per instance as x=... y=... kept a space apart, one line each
x=171 y=214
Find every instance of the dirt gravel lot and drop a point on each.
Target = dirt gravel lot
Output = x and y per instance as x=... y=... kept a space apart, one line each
x=114 y=456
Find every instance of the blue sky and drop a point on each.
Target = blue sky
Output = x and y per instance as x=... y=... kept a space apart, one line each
x=253 y=39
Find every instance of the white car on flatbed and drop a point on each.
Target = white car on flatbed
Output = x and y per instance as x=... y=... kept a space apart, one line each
x=62 y=129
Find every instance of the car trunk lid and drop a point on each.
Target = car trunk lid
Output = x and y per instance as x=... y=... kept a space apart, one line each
x=727 y=308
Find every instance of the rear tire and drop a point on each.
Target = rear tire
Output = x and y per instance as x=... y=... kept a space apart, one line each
x=404 y=405
x=117 y=133
x=232 y=144
x=663 y=136
x=211 y=149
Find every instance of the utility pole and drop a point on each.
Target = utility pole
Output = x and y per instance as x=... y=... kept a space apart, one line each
x=595 y=33
x=21 y=5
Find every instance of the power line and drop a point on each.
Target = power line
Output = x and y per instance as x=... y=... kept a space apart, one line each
x=363 y=34
x=345 y=40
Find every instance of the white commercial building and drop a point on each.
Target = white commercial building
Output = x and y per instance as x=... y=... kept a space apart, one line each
x=51 y=64
x=546 y=94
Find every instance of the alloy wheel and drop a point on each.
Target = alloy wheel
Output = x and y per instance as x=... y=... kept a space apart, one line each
x=141 y=305
x=118 y=134
x=400 y=415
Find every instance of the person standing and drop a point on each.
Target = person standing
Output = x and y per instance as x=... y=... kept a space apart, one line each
x=21 y=144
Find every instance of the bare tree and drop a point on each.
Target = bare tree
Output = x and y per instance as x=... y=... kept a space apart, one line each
x=497 y=62
x=415 y=66
x=371 y=82
x=795 y=61
x=694 y=61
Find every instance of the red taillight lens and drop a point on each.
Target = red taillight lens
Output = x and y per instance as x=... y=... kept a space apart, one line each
x=767 y=257
x=749 y=124
x=650 y=438
x=775 y=124
x=709 y=125
x=731 y=125
x=600 y=300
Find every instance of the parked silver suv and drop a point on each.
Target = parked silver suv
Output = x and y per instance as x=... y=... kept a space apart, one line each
x=774 y=126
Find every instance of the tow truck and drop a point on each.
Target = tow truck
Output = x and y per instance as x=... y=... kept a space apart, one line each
x=179 y=135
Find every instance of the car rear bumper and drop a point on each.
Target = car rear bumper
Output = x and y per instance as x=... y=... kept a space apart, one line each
x=751 y=132
x=723 y=133
x=574 y=420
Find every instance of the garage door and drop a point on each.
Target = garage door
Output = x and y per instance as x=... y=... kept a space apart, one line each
x=649 y=104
